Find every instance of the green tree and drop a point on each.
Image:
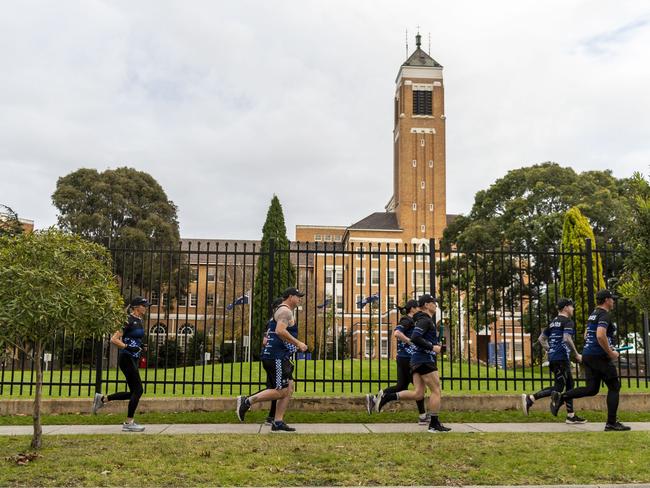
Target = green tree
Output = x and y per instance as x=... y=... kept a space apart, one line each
x=635 y=284
x=125 y=209
x=9 y=222
x=573 y=265
x=284 y=273
x=52 y=281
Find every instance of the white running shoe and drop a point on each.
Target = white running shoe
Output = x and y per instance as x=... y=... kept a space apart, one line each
x=97 y=403
x=132 y=427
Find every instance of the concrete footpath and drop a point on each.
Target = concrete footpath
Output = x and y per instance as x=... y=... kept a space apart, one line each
x=176 y=429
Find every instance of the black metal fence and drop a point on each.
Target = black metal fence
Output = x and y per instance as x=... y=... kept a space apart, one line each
x=204 y=328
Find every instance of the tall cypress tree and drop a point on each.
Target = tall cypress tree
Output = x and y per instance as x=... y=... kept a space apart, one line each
x=573 y=267
x=284 y=273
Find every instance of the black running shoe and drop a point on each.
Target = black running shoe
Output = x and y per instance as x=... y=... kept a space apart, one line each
x=243 y=406
x=436 y=428
x=619 y=427
x=575 y=420
x=526 y=403
x=281 y=427
x=370 y=403
x=556 y=402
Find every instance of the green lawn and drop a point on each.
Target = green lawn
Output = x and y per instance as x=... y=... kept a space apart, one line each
x=340 y=459
x=314 y=378
x=302 y=416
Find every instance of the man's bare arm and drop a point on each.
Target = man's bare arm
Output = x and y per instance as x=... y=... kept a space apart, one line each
x=543 y=340
x=283 y=318
x=569 y=341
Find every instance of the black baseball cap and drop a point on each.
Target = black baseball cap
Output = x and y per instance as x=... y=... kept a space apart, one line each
x=426 y=298
x=289 y=292
x=564 y=302
x=603 y=295
x=139 y=301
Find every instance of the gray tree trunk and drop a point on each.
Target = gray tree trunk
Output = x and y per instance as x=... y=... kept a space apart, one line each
x=38 y=430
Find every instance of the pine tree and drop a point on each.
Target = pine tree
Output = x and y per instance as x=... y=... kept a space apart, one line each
x=573 y=265
x=284 y=273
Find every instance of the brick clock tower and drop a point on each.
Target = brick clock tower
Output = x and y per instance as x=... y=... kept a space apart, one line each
x=419 y=186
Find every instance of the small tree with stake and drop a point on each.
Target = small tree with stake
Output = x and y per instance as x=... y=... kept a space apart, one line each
x=52 y=281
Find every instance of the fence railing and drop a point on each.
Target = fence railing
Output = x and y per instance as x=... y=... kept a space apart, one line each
x=211 y=301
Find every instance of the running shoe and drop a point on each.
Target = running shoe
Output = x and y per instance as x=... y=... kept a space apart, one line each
x=437 y=428
x=619 y=427
x=243 y=406
x=378 y=398
x=526 y=403
x=556 y=402
x=97 y=403
x=575 y=420
x=424 y=419
x=132 y=427
x=370 y=403
x=281 y=427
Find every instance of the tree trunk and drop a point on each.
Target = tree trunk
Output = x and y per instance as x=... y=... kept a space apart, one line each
x=38 y=430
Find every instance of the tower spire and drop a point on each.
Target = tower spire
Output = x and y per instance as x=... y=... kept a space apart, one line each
x=418 y=39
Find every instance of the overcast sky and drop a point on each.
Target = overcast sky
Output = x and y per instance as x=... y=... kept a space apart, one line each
x=228 y=102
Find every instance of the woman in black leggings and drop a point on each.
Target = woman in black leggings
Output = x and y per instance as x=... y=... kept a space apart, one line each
x=129 y=342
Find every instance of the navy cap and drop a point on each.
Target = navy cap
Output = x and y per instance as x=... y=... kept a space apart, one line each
x=139 y=301
x=292 y=292
x=426 y=298
x=603 y=295
x=564 y=302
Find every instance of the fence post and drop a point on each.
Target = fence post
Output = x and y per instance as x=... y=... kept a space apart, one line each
x=432 y=267
x=99 y=359
x=271 y=276
x=590 y=276
x=646 y=343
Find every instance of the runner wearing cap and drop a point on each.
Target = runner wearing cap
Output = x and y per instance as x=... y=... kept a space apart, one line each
x=129 y=342
x=425 y=346
x=556 y=339
x=598 y=360
x=402 y=333
x=269 y=381
x=277 y=363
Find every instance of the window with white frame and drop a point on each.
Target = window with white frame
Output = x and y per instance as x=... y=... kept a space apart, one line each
x=518 y=349
x=211 y=273
x=158 y=333
x=193 y=299
x=415 y=163
x=420 y=280
x=182 y=300
x=318 y=237
x=391 y=253
x=357 y=299
x=154 y=297
x=415 y=206
x=327 y=238
x=185 y=335
x=431 y=207
x=194 y=273
x=338 y=238
x=209 y=300
x=361 y=276
x=384 y=347
x=422 y=253
x=369 y=347
x=339 y=303
x=430 y=163
x=390 y=277
x=329 y=276
x=221 y=274
x=422 y=185
x=374 y=253
x=374 y=277
x=423 y=228
x=391 y=302
x=359 y=252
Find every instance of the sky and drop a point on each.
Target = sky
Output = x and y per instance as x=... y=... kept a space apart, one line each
x=226 y=103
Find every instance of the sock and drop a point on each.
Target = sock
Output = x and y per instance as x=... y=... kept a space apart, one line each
x=434 y=420
x=247 y=402
x=423 y=415
x=531 y=398
x=391 y=397
x=420 y=404
x=570 y=414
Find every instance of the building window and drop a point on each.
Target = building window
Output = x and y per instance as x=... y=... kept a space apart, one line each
x=430 y=163
x=211 y=274
x=339 y=277
x=374 y=253
x=422 y=252
x=154 y=297
x=368 y=347
x=361 y=276
x=221 y=274
x=374 y=277
x=422 y=142
x=327 y=238
x=338 y=238
x=193 y=300
x=384 y=348
x=415 y=163
x=420 y=281
x=415 y=206
x=431 y=207
x=391 y=302
x=390 y=277
x=339 y=303
x=422 y=102
x=318 y=237
x=359 y=252
x=422 y=184
x=210 y=300
x=185 y=334
x=357 y=299
x=422 y=228
x=194 y=273
x=182 y=300
x=158 y=334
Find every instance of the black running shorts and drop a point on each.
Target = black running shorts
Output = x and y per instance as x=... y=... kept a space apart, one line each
x=279 y=372
x=599 y=367
x=424 y=368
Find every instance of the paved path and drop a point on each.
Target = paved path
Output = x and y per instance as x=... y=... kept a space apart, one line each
x=315 y=428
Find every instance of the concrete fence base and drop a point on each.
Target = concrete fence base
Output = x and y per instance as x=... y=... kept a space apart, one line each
x=630 y=402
